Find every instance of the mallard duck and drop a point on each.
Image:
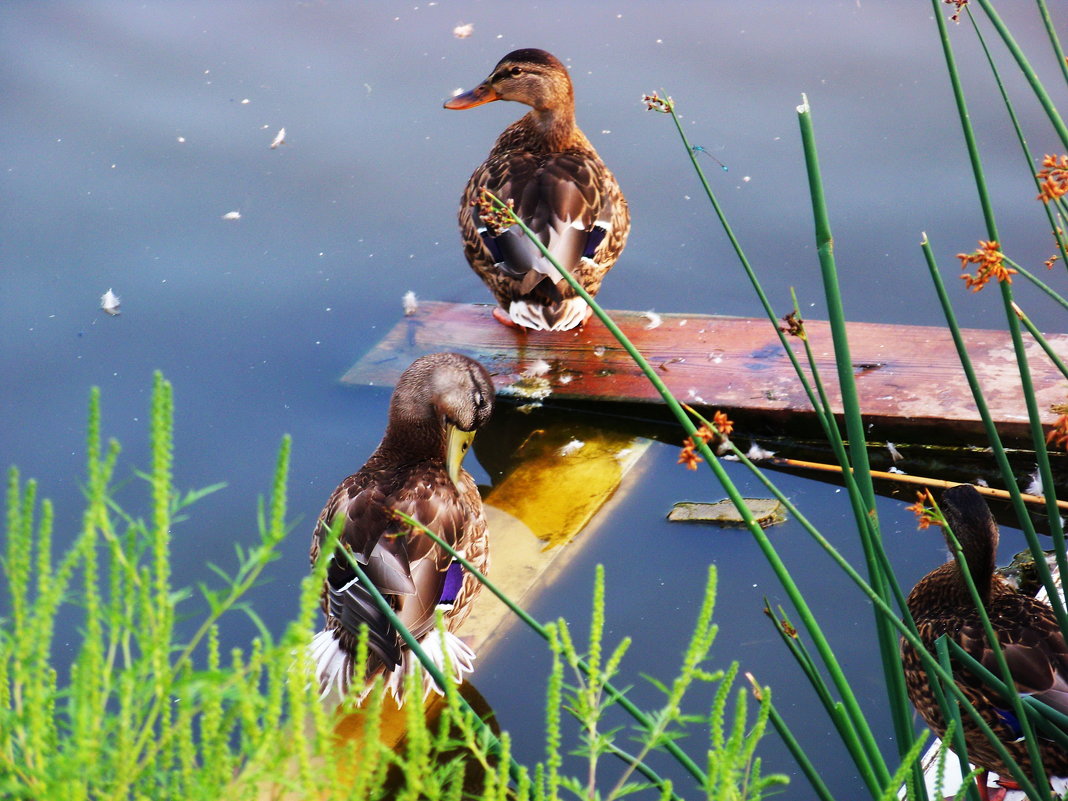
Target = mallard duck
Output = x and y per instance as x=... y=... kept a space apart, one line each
x=438 y=404
x=1025 y=627
x=561 y=190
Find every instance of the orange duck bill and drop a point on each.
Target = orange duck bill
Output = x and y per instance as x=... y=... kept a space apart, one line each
x=483 y=93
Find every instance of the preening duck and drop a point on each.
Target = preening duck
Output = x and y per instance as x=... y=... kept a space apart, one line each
x=560 y=189
x=1026 y=630
x=438 y=404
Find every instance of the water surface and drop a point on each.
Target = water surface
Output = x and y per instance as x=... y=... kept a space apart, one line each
x=127 y=136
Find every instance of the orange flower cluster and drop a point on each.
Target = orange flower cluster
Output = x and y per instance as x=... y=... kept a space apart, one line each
x=990 y=261
x=924 y=510
x=721 y=426
x=794 y=325
x=497 y=220
x=1049 y=262
x=1053 y=178
x=1058 y=435
x=655 y=102
x=955 y=16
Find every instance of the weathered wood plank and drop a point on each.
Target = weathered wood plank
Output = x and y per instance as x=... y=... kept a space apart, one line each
x=908 y=377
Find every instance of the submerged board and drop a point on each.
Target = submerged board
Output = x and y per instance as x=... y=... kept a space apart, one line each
x=909 y=379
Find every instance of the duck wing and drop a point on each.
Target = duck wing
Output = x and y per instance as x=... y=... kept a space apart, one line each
x=406 y=567
x=1034 y=649
x=563 y=198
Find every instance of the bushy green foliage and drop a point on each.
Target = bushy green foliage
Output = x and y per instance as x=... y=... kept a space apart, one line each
x=146 y=713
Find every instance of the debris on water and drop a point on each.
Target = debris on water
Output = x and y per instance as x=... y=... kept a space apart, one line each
x=756 y=453
x=895 y=454
x=766 y=511
x=653 y=318
x=896 y=470
x=531 y=384
x=232 y=215
x=279 y=139
x=1035 y=485
x=109 y=302
x=537 y=368
x=566 y=378
x=527 y=408
x=410 y=303
x=598 y=351
x=1022 y=574
x=571 y=447
x=463 y=30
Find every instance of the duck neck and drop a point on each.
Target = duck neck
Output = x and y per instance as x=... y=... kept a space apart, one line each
x=981 y=564
x=555 y=126
x=415 y=434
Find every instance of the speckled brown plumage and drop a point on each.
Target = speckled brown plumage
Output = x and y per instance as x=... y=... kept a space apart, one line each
x=1025 y=627
x=561 y=190
x=409 y=472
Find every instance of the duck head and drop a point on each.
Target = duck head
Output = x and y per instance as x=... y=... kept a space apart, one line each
x=530 y=76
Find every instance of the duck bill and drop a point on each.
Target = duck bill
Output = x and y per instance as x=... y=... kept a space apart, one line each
x=482 y=93
x=456 y=444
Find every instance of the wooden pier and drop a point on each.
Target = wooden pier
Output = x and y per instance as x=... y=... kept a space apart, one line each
x=910 y=381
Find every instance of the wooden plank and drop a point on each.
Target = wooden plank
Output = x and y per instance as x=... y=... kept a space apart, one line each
x=909 y=379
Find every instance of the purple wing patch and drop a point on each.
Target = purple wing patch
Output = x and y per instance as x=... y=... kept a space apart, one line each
x=454 y=579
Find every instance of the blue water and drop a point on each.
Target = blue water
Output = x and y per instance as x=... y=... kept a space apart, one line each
x=126 y=138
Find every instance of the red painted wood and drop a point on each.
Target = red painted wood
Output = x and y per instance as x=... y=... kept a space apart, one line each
x=908 y=377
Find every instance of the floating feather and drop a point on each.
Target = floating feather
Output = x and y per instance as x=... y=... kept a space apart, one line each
x=279 y=138
x=410 y=303
x=232 y=215
x=109 y=302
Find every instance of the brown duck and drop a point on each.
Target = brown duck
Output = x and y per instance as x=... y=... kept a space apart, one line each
x=438 y=404
x=1025 y=627
x=560 y=189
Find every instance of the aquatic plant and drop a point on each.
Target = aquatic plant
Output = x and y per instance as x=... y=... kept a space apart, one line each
x=149 y=710
x=880 y=586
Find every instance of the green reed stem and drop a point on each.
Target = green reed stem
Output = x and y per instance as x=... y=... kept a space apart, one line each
x=428 y=664
x=996 y=446
x=545 y=633
x=834 y=709
x=1034 y=420
x=1051 y=721
x=999 y=657
x=768 y=550
x=1034 y=279
x=854 y=429
x=1028 y=71
x=951 y=714
x=1024 y=149
x=1054 y=40
x=830 y=429
x=1041 y=340
x=815 y=780
x=965 y=119
x=906 y=628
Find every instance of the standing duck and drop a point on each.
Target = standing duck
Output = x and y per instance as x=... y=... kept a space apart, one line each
x=438 y=404
x=1026 y=630
x=560 y=189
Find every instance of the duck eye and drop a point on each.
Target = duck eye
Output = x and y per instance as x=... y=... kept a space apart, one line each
x=516 y=71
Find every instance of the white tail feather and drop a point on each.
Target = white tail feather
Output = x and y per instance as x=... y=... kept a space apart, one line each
x=333 y=667
x=532 y=315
